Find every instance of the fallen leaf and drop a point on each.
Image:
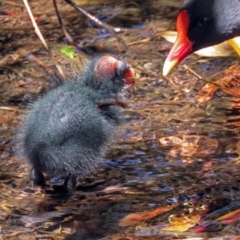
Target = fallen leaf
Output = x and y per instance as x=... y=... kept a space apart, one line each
x=229 y=84
x=206 y=93
x=230 y=215
x=68 y=51
x=183 y=222
x=136 y=218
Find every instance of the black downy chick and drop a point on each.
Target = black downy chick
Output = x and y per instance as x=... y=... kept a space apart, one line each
x=67 y=131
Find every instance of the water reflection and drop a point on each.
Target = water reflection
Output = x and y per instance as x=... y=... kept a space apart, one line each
x=170 y=149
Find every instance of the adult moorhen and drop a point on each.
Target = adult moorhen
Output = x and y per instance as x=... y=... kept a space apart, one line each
x=67 y=131
x=200 y=24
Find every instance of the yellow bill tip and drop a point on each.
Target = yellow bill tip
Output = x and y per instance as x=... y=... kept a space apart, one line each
x=169 y=66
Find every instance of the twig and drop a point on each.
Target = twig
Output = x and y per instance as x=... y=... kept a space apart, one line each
x=67 y=35
x=47 y=70
x=39 y=34
x=108 y=27
x=6 y=108
x=199 y=77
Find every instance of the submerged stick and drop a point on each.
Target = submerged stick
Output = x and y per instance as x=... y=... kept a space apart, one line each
x=108 y=27
x=200 y=77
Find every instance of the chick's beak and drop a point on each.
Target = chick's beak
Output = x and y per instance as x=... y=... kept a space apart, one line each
x=182 y=47
x=129 y=76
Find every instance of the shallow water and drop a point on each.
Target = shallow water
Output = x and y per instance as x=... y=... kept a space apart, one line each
x=170 y=149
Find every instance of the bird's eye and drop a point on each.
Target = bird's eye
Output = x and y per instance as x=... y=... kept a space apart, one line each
x=203 y=22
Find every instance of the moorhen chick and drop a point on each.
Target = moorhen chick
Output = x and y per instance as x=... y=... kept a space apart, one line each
x=200 y=24
x=67 y=131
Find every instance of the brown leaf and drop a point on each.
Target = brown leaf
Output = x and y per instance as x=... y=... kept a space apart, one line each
x=230 y=215
x=135 y=218
x=206 y=93
x=183 y=222
x=229 y=84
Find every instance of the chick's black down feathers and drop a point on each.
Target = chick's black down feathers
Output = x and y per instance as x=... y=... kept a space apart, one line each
x=67 y=130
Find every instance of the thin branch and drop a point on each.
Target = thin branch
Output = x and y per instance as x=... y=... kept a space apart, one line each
x=46 y=69
x=108 y=27
x=39 y=34
x=67 y=35
x=199 y=77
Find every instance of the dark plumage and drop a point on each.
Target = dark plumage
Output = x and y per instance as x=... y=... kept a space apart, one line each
x=203 y=23
x=67 y=130
x=211 y=21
